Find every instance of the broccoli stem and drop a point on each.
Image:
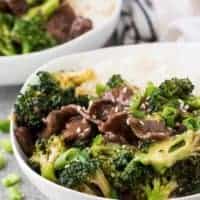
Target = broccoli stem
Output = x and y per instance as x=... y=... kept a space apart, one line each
x=47 y=171
x=45 y=10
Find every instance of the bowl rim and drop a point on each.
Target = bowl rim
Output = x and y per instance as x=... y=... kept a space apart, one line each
x=15 y=144
x=85 y=36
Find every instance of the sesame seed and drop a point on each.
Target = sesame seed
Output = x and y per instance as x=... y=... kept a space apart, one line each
x=78 y=130
x=125 y=89
x=141 y=122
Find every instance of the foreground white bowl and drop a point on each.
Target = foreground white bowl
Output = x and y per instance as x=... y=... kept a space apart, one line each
x=104 y=14
x=138 y=64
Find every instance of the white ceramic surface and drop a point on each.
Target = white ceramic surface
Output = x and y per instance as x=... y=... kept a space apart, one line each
x=104 y=14
x=138 y=64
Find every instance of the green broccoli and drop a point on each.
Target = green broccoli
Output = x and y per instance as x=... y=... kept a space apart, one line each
x=41 y=98
x=31 y=36
x=82 y=171
x=45 y=154
x=44 y=10
x=176 y=87
x=113 y=158
x=7 y=47
x=187 y=175
x=170 y=114
x=160 y=189
x=193 y=102
x=115 y=81
x=173 y=89
x=163 y=155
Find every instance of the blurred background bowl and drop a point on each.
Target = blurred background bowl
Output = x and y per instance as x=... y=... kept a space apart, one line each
x=103 y=13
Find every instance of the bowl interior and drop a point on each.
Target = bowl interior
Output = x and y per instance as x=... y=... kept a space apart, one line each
x=138 y=64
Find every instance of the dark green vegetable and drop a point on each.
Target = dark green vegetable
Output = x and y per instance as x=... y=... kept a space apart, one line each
x=44 y=10
x=115 y=81
x=83 y=170
x=42 y=98
x=31 y=35
x=113 y=158
x=7 y=46
x=45 y=154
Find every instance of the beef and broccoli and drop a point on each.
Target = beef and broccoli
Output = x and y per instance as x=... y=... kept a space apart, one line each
x=114 y=139
x=33 y=25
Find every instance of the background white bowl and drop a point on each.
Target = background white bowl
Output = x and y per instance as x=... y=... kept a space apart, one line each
x=104 y=14
x=137 y=64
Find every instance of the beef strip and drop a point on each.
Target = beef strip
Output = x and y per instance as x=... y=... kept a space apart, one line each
x=54 y=123
x=56 y=120
x=117 y=126
x=148 y=129
x=79 y=26
x=17 y=7
x=60 y=23
x=3 y=5
x=121 y=95
x=76 y=128
x=25 y=139
x=101 y=109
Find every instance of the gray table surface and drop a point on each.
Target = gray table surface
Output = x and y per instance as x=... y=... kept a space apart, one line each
x=7 y=98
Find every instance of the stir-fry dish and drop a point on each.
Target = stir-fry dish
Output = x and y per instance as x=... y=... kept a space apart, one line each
x=112 y=139
x=32 y=25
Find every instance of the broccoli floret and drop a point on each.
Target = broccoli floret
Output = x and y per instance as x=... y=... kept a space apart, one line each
x=39 y=99
x=45 y=154
x=31 y=36
x=170 y=114
x=44 y=10
x=7 y=47
x=134 y=173
x=192 y=123
x=163 y=155
x=187 y=175
x=176 y=87
x=160 y=189
x=193 y=102
x=168 y=90
x=113 y=159
x=115 y=81
x=82 y=171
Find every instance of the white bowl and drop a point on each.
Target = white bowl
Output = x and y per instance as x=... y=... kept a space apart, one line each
x=138 y=64
x=103 y=13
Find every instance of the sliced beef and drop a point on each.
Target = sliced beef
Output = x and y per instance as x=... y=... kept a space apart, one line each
x=76 y=128
x=148 y=129
x=25 y=139
x=60 y=23
x=3 y=5
x=17 y=7
x=117 y=126
x=121 y=95
x=54 y=123
x=101 y=109
x=56 y=120
x=79 y=26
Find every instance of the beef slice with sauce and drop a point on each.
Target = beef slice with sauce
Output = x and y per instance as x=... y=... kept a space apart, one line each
x=80 y=26
x=17 y=7
x=25 y=139
x=121 y=95
x=116 y=129
x=60 y=23
x=77 y=126
x=148 y=129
